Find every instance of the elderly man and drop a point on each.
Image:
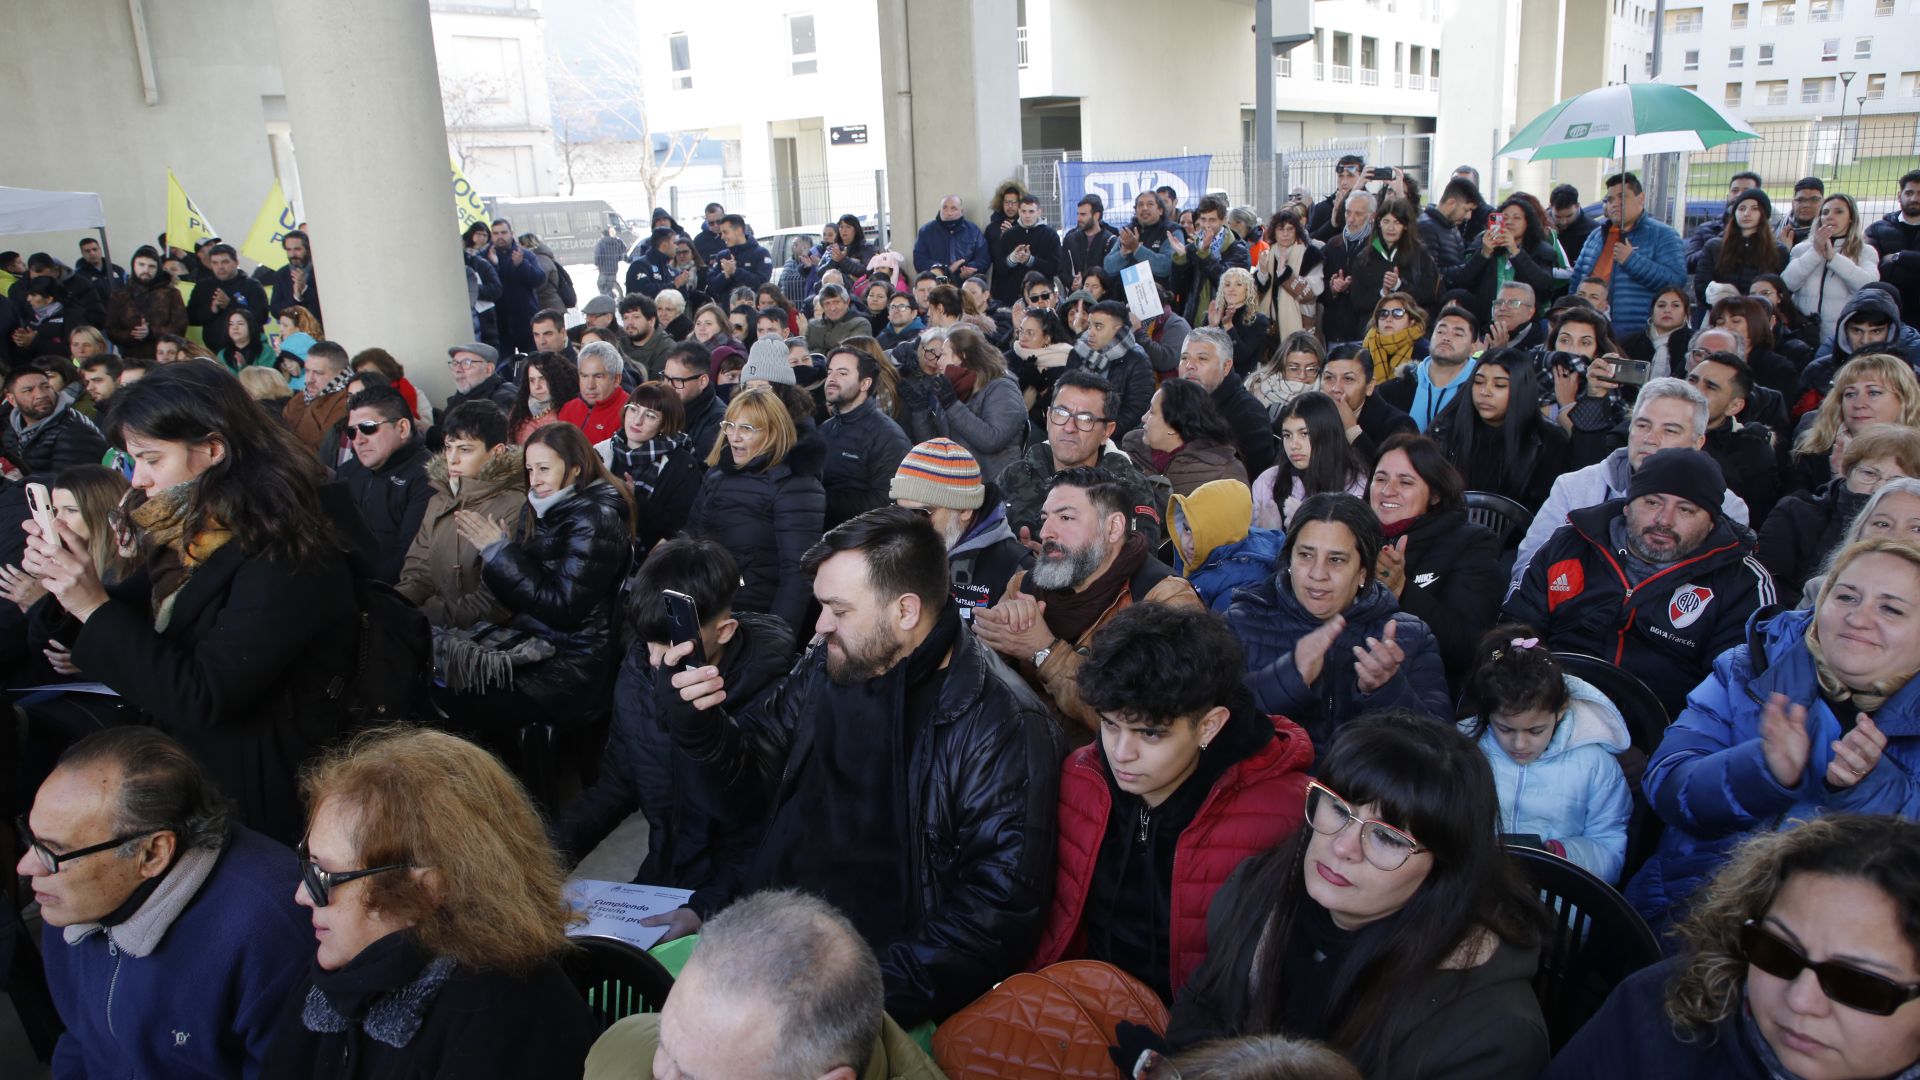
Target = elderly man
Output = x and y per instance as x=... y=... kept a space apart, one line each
x=387 y=475
x=599 y=409
x=1667 y=414
x=941 y=480
x=1206 y=357
x=1092 y=566
x=315 y=412
x=1516 y=318
x=171 y=934
x=1080 y=432
x=1345 y=315
x=952 y=243
x=863 y=739
x=475 y=378
x=672 y=306
x=1659 y=583
x=836 y=321
x=781 y=985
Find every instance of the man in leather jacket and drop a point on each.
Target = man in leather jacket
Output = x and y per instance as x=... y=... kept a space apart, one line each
x=904 y=773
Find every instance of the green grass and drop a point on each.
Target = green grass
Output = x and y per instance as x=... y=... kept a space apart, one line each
x=1866 y=178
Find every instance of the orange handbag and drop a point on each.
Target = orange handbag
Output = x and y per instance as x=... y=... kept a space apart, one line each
x=1058 y=1021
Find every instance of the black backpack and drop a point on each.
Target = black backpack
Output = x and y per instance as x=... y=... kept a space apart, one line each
x=568 y=298
x=393 y=662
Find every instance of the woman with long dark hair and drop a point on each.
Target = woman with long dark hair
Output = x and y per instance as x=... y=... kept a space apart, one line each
x=1289 y=275
x=548 y=382
x=1494 y=433
x=1391 y=925
x=1393 y=260
x=1184 y=438
x=1796 y=336
x=1315 y=458
x=1745 y=250
x=234 y=637
x=248 y=345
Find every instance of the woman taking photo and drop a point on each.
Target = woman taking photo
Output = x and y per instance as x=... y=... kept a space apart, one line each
x=1391 y=925
x=84 y=499
x=1872 y=389
x=547 y=384
x=1184 y=438
x=248 y=345
x=1315 y=459
x=1289 y=276
x=1818 y=712
x=1831 y=264
x=764 y=503
x=1801 y=959
x=1806 y=528
x=1513 y=247
x=437 y=903
x=653 y=453
x=1664 y=341
x=559 y=578
x=1745 y=250
x=1396 y=336
x=1437 y=564
x=1393 y=260
x=1235 y=312
x=1325 y=640
x=966 y=395
x=1494 y=433
x=227 y=517
x=1292 y=370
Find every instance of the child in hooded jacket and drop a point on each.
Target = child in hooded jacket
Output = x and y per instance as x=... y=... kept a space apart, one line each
x=1551 y=740
x=1220 y=551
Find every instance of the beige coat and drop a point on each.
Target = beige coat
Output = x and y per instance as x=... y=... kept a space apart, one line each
x=442 y=573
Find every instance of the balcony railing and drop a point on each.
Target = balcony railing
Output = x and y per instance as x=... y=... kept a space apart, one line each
x=1416 y=81
x=1343 y=73
x=1814 y=94
x=1777 y=97
x=1369 y=76
x=1020 y=44
x=1739 y=22
x=1690 y=26
x=1433 y=83
x=1320 y=70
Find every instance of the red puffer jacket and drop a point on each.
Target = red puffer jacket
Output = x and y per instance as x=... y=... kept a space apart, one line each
x=1254 y=805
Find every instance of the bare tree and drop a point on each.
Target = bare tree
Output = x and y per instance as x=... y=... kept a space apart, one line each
x=602 y=93
x=466 y=101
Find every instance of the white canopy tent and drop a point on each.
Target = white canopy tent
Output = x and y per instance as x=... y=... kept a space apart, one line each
x=25 y=210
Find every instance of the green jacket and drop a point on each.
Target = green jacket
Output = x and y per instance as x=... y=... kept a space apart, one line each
x=625 y=1052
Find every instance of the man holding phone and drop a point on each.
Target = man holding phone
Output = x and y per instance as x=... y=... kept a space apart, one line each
x=1329 y=214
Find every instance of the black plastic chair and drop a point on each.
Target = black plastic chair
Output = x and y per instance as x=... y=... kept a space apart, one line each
x=1506 y=519
x=1596 y=940
x=616 y=978
x=1647 y=722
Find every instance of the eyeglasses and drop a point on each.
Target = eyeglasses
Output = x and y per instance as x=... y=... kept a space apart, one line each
x=1867 y=475
x=899 y=307
x=1386 y=847
x=371 y=428
x=728 y=427
x=321 y=883
x=1393 y=312
x=1058 y=416
x=50 y=860
x=1040 y=296
x=678 y=381
x=1513 y=302
x=1864 y=991
x=468 y=362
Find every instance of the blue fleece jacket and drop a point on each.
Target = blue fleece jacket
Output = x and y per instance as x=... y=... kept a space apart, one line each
x=1709 y=780
x=204 y=1001
x=1659 y=262
x=1239 y=565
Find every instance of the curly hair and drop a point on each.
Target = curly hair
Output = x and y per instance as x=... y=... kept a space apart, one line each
x=431 y=800
x=1883 y=851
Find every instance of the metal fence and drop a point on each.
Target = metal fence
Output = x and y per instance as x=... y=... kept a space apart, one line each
x=1861 y=156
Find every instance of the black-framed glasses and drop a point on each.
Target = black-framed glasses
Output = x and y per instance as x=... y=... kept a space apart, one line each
x=1844 y=984
x=371 y=427
x=321 y=883
x=1383 y=845
x=679 y=381
x=461 y=363
x=1058 y=416
x=1040 y=296
x=51 y=861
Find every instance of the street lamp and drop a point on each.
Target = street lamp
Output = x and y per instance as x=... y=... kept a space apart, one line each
x=1839 y=150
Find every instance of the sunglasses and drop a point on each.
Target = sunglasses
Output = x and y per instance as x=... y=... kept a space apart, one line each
x=371 y=428
x=51 y=861
x=1382 y=845
x=1040 y=296
x=321 y=883
x=1395 y=312
x=1864 y=991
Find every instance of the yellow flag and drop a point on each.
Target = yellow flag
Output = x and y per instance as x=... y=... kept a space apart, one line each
x=467 y=206
x=274 y=221
x=186 y=225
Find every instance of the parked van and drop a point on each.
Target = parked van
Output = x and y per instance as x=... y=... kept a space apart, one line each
x=570 y=227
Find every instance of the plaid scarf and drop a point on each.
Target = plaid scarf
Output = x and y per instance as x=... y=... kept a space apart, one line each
x=640 y=465
x=339 y=383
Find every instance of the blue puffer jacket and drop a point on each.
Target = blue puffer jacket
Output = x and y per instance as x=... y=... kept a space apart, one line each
x=1709 y=779
x=1232 y=567
x=1659 y=262
x=1268 y=621
x=1574 y=792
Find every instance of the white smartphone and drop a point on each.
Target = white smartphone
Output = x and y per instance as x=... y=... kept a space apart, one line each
x=41 y=503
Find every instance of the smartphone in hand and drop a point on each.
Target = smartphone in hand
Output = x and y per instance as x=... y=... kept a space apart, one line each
x=683 y=624
x=40 y=502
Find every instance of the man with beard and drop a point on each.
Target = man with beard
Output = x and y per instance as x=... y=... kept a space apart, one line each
x=940 y=480
x=1660 y=582
x=864 y=444
x=643 y=342
x=904 y=774
x=43 y=435
x=1085 y=247
x=293 y=283
x=1091 y=567
x=1080 y=432
x=148 y=308
x=214 y=298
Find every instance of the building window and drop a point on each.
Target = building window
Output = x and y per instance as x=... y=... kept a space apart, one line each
x=1737 y=56
x=1863 y=48
x=1777 y=14
x=1732 y=96
x=1876 y=87
x=1830 y=49
x=1684 y=21
x=1911 y=80
x=1369 y=61
x=800 y=31
x=1690 y=60
x=1766 y=56
x=1739 y=16
x=1824 y=10
x=1433 y=70
x=1342 y=57
x=1882 y=8
x=1816 y=91
x=1774 y=91
x=682 y=57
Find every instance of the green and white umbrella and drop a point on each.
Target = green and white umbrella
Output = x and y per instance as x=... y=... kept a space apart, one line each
x=1646 y=118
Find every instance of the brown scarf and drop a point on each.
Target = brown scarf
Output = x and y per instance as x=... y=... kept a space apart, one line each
x=1071 y=614
x=1867 y=701
x=962 y=378
x=171 y=558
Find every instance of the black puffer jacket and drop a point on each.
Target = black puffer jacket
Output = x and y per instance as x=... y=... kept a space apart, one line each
x=864 y=450
x=767 y=517
x=1453 y=584
x=61 y=441
x=686 y=849
x=1803 y=529
x=492 y=388
x=985 y=774
x=560 y=583
x=392 y=501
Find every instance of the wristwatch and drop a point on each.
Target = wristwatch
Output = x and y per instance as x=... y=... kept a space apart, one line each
x=1040 y=657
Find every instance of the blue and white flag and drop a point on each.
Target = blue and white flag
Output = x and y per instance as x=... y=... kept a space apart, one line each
x=1118 y=183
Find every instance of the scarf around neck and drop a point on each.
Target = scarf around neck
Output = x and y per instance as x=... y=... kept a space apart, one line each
x=641 y=464
x=963 y=379
x=1071 y=614
x=172 y=556
x=338 y=383
x=1867 y=701
x=385 y=991
x=1389 y=351
x=1098 y=360
x=543 y=503
x=140 y=932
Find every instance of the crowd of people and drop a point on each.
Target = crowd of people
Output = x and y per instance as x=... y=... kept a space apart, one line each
x=945 y=619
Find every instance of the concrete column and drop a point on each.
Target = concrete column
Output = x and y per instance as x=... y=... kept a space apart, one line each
x=1478 y=102
x=363 y=96
x=951 y=79
x=1585 y=69
x=1542 y=24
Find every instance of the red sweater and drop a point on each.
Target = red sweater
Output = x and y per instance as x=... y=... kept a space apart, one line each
x=599 y=422
x=1254 y=805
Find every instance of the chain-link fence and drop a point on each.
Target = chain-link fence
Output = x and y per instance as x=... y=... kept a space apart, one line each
x=1861 y=156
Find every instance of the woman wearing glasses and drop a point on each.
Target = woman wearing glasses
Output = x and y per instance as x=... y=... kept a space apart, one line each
x=762 y=498
x=1802 y=959
x=963 y=392
x=1817 y=713
x=1806 y=528
x=655 y=455
x=1390 y=925
x=437 y=909
x=1394 y=261
x=1397 y=335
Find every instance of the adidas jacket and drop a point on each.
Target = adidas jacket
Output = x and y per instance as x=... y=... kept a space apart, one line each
x=1668 y=629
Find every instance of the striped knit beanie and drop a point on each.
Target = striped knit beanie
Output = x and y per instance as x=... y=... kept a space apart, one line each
x=940 y=472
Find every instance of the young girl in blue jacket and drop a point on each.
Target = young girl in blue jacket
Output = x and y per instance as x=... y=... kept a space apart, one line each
x=1551 y=739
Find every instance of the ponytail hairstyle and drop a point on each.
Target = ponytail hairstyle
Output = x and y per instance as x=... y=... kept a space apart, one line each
x=1513 y=671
